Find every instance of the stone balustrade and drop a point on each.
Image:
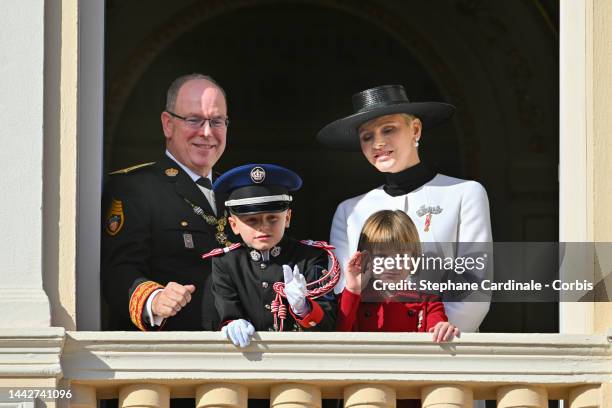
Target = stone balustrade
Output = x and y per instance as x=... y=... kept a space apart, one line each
x=298 y=370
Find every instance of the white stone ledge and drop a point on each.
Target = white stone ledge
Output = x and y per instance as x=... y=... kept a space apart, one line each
x=410 y=358
x=31 y=352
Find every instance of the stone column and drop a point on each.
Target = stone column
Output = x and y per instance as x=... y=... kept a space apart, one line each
x=222 y=396
x=295 y=396
x=447 y=396
x=21 y=98
x=586 y=396
x=602 y=149
x=144 y=396
x=522 y=396
x=83 y=396
x=585 y=191
x=369 y=396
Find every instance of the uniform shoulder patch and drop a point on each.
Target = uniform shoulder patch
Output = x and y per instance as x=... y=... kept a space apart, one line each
x=132 y=168
x=219 y=251
x=114 y=218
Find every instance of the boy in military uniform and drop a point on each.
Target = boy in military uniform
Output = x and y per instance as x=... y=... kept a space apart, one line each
x=247 y=277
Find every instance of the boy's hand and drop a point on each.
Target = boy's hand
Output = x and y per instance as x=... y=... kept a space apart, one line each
x=295 y=290
x=239 y=332
x=444 y=331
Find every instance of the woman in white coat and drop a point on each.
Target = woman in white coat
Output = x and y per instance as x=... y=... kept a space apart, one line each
x=447 y=211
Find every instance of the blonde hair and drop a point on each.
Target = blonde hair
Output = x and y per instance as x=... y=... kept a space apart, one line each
x=408 y=118
x=390 y=230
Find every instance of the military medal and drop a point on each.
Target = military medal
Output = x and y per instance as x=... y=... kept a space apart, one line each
x=428 y=212
x=188 y=239
x=219 y=223
x=427 y=222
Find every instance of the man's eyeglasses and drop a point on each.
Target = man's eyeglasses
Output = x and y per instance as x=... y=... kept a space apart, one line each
x=197 y=123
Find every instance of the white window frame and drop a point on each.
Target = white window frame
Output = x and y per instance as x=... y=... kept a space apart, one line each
x=90 y=101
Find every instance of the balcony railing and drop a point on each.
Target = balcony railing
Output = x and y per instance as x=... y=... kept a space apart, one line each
x=295 y=370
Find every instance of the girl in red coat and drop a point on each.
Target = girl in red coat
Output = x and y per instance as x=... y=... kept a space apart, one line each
x=385 y=234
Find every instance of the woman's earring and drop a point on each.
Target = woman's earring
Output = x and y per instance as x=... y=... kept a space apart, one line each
x=416 y=143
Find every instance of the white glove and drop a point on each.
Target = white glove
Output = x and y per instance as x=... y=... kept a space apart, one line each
x=239 y=332
x=295 y=290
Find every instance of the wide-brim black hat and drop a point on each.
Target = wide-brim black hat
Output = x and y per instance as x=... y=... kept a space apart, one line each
x=380 y=101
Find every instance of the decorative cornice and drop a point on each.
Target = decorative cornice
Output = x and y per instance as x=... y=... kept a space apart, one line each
x=31 y=353
x=405 y=361
x=552 y=359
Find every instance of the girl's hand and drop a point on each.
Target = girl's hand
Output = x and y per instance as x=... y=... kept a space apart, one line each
x=353 y=273
x=444 y=331
x=354 y=264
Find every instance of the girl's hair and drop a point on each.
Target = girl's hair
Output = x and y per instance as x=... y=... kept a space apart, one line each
x=389 y=230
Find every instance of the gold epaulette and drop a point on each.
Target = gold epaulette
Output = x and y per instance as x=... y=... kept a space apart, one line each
x=129 y=169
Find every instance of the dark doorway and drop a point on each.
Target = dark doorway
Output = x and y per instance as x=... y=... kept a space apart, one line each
x=290 y=67
x=288 y=70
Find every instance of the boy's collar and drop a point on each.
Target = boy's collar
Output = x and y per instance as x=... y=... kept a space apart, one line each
x=265 y=255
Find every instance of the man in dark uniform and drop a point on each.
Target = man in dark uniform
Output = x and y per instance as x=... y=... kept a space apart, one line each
x=160 y=217
x=244 y=274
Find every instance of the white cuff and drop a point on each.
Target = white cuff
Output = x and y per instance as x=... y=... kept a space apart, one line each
x=150 y=317
x=303 y=311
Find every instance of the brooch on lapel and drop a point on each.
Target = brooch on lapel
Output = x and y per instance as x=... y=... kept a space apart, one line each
x=428 y=212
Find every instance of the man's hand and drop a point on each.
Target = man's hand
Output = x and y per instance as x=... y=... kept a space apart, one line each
x=295 y=290
x=239 y=332
x=171 y=299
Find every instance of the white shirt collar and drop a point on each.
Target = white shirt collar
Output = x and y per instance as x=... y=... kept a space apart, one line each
x=194 y=176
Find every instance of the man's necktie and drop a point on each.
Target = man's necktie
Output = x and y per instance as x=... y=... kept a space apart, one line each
x=204 y=182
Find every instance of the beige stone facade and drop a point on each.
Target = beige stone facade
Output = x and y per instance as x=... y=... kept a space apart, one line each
x=52 y=116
